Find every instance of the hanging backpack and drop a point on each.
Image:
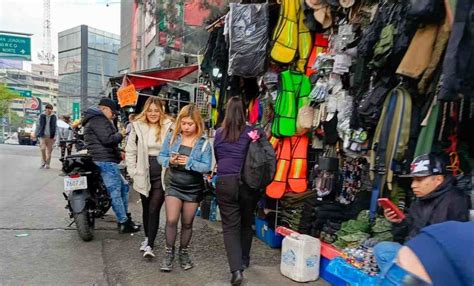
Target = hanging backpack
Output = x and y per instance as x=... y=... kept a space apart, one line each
x=260 y=163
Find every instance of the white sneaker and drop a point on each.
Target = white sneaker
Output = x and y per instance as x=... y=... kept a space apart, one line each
x=144 y=244
x=148 y=252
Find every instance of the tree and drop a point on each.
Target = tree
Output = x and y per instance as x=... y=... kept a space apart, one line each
x=6 y=98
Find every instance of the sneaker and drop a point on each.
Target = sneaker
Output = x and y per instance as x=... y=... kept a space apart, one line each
x=47 y=167
x=167 y=263
x=148 y=252
x=184 y=259
x=42 y=166
x=144 y=244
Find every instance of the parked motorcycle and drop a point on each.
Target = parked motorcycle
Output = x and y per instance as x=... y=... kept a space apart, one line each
x=85 y=193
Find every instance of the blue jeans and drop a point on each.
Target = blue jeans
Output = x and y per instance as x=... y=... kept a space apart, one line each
x=390 y=273
x=117 y=188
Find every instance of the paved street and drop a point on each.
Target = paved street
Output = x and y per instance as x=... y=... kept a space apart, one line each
x=52 y=254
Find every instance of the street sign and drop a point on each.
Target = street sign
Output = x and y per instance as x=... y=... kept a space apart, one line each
x=23 y=92
x=33 y=106
x=15 y=47
x=29 y=121
x=76 y=110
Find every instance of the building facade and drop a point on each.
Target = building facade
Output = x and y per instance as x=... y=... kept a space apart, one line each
x=37 y=88
x=87 y=59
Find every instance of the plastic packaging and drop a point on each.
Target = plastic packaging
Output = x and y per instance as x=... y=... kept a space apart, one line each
x=300 y=257
x=353 y=276
x=248 y=36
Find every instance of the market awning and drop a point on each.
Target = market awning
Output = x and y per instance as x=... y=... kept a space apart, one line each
x=155 y=77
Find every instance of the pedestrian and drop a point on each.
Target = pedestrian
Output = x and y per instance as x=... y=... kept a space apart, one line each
x=64 y=134
x=187 y=154
x=237 y=202
x=437 y=198
x=128 y=129
x=102 y=141
x=441 y=254
x=144 y=144
x=46 y=133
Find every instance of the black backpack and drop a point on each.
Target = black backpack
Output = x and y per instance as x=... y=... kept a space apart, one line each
x=260 y=163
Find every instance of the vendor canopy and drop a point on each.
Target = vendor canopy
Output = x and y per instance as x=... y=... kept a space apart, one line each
x=154 y=77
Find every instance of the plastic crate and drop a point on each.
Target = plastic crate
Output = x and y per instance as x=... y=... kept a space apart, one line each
x=266 y=234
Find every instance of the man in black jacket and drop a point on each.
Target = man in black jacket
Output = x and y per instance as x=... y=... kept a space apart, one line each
x=46 y=132
x=437 y=199
x=102 y=140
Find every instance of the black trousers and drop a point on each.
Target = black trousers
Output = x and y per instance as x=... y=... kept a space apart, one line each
x=152 y=204
x=237 y=203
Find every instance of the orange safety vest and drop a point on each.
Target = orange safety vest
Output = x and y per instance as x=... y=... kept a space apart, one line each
x=321 y=43
x=291 y=167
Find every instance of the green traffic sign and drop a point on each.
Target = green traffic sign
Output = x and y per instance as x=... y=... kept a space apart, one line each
x=15 y=47
x=23 y=92
x=76 y=110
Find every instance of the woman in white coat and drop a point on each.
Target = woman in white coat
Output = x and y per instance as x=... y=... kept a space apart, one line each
x=143 y=147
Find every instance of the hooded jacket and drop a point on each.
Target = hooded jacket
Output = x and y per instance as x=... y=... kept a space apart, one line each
x=136 y=155
x=446 y=203
x=101 y=137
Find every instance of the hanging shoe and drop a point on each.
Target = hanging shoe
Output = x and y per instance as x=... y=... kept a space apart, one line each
x=144 y=244
x=184 y=259
x=148 y=252
x=167 y=263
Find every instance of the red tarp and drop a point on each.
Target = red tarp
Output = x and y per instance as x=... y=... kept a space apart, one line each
x=171 y=74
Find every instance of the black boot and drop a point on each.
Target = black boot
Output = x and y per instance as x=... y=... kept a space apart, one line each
x=129 y=227
x=237 y=278
x=167 y=263
x=184 y=259
x=129 y=216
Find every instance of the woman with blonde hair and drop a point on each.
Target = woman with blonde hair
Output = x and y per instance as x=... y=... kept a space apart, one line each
x=144 y=144
x=187 y=154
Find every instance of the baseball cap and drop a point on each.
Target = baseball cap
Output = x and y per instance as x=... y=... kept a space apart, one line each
x=109 y=103
x=427 y=165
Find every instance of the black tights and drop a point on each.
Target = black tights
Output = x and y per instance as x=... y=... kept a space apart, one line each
x=65 y=147
x=174 y=209
x=151 y=211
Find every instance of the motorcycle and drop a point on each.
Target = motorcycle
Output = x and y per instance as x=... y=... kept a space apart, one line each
x=85 y=193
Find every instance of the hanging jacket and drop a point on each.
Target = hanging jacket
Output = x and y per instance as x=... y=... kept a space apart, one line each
x=458 y=65
x=101 y=137
x=446 y=203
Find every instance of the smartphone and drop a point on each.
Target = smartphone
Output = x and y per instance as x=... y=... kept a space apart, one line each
x=174 y=154
x=387 y=204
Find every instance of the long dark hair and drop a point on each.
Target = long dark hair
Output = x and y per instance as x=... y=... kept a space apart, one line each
x=234 y=120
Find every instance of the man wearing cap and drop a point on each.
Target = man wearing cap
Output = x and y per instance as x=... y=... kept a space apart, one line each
x=437 y=198
x=102 y=141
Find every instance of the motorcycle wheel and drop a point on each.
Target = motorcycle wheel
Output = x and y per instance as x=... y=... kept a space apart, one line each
x=83 y=227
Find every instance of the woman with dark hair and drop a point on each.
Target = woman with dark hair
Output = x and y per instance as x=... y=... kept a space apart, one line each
x=237 y=201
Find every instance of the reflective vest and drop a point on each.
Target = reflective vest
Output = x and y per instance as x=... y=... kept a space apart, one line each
x=293 y=94
x=292 y=166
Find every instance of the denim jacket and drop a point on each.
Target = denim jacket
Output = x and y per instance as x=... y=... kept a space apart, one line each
x=198 y=161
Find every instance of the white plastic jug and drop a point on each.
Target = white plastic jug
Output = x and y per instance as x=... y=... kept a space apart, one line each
x=300 y=257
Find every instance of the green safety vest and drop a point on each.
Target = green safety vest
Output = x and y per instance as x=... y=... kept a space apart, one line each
x=293 y=94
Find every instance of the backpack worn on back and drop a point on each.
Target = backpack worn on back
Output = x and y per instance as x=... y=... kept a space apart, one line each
x=259 y=165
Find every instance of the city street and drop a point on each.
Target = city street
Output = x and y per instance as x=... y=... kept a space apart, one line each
x=38 y=247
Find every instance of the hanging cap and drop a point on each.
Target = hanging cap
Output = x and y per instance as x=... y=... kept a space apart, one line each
x=346 y=3
x=427 y=165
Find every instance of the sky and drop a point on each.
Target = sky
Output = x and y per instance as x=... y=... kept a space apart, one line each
x=26 y=16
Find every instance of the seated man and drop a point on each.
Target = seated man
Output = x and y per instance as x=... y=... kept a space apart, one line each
x=437 y=198
x=440 y=255
x=102 y=141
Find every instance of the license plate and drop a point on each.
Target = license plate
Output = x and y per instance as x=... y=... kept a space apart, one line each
x=72 y=184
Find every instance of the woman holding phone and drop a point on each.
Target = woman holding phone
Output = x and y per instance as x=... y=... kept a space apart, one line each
x=144 y=144
x=187 y=154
